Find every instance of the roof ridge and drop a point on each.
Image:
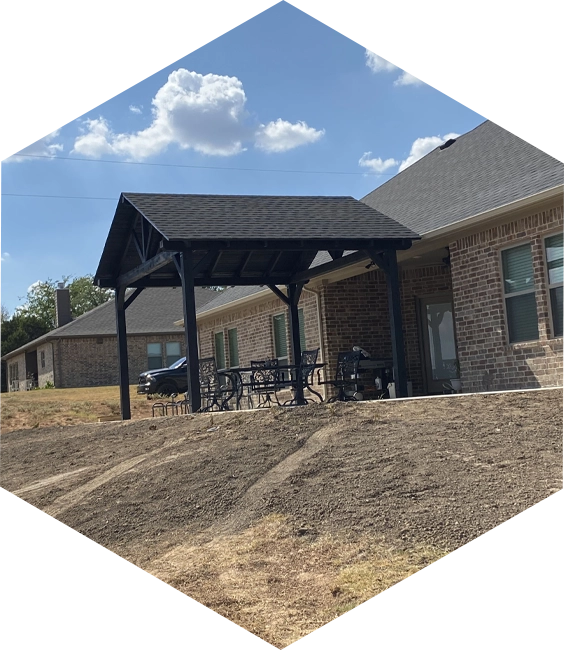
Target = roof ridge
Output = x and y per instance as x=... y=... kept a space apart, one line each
x=392 y=178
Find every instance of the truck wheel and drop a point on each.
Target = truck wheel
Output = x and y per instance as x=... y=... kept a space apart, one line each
x=167 y=389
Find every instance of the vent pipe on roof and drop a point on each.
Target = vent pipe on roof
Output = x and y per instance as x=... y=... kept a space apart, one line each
x=447 y=143
x=62 y=305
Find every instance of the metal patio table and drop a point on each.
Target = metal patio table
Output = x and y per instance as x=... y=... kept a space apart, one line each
x=242 y=377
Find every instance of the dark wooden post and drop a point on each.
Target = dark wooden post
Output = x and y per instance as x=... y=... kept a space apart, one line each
x=388 y=263
x=190 y=330
x=294 y=292
x=397 y=336
x=123 y=368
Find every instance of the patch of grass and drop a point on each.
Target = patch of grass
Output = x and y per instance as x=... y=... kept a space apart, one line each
x=280 y=585
x=25 y=409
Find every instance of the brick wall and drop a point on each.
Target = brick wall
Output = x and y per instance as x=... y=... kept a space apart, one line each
x=47 y=373
x=488 y=361
x=93 y=361
x=254 y=325
x=355 y=313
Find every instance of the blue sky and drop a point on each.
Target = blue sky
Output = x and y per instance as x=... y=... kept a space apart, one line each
x=280 y=92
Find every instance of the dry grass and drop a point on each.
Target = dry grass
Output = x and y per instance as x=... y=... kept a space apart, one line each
x=45 y=407
x=281 y=583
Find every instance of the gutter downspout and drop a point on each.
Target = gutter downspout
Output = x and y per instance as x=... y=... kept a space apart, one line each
x=320 y=336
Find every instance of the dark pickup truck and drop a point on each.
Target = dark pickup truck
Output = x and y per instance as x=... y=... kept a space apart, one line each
x=164 y=381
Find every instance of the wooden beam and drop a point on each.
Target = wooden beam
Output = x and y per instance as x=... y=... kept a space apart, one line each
x=284 y=298
x=313 y=244
x=294 y=292
x=327 y=267
x=190 y=330
x=210 y=259
x=386 y=260
x=131 y=298
x=242 y=266
x=138 y=246
x=153 y=264
x=123 y=370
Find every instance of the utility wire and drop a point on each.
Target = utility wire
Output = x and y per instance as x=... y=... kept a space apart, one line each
x=206 y=167
x=57 y=196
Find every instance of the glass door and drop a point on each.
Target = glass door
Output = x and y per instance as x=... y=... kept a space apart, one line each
x=438 y=342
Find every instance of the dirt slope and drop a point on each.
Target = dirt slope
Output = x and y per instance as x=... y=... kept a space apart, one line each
x=411 y=474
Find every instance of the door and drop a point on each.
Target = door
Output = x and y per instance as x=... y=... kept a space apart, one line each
x=439 y=348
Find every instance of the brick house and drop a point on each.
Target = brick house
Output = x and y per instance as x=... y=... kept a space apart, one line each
x=482 y=291
x=82 y=352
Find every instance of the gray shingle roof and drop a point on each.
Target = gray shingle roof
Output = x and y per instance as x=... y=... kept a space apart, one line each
x=208 y=216
x=154 y=311
x=485 y=168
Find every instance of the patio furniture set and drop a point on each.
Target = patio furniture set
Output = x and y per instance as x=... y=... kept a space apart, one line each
x=262 y=383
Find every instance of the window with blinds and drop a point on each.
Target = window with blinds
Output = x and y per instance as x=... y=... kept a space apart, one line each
x=554 y=263
x=154 y=357
x=519 y=294
x=220 y=350
x=172 y=349
x=280 y=337
x=233 y=348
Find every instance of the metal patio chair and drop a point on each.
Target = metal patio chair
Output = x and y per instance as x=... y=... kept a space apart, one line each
x=216 y=388
x=346 y=379
x=264 y=382
x=305 y=374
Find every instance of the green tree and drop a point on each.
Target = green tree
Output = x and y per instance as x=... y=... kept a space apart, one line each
x=40 y=299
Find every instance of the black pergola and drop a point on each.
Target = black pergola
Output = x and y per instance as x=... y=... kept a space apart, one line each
x=168 y=240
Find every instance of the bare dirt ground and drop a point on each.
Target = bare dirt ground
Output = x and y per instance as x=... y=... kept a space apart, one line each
x=283 y=519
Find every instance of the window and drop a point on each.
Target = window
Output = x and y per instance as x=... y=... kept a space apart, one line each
x=42 y=358
x=301 y=328
x=220 y=350
x=554 y=260
x=172 y=349
x=281 y=346
x=154 y=356
x=13 y=372
x=519 y=294
x=233 y=347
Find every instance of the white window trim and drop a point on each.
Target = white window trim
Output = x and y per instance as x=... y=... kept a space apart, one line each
x=549 y=286
x=218 y=332
x=229 y=347
x=505 y=295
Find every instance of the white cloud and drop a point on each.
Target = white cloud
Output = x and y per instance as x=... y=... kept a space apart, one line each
x=33 y=286
x=202 y=112
x=135 y=109
x=376 y=164
x=406 y=79
x=4 y=257
x=44 y=148
x=422 y=146
x=282 y=135
x=377 y=63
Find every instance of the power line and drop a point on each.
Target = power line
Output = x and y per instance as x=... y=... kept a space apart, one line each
x=56 y=196
x=206 y=167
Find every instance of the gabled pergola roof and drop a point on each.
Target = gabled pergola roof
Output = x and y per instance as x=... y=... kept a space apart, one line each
x=167 y=240
x=238 y=239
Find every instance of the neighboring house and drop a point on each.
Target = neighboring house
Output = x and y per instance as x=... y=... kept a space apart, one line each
x=83 y=352
x=482 y=290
